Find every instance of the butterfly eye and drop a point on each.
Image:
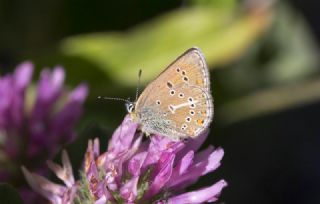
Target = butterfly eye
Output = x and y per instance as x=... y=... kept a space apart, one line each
x=130 y=107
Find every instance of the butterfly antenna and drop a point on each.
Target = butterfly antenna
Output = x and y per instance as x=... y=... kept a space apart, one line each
x=138 y=85
x=115 y=99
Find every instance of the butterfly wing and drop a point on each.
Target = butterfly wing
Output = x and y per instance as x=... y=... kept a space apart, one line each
x=178 y=103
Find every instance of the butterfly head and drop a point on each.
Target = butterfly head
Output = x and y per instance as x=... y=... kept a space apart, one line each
x=130 y=106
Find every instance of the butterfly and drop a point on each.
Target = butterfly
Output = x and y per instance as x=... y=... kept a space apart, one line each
x=178 y=103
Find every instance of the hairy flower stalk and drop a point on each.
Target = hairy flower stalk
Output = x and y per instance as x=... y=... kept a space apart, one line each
x=33 y=129
x=156 y=170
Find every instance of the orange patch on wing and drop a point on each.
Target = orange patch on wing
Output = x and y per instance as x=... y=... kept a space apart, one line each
x=199 y=81
x=200 y=122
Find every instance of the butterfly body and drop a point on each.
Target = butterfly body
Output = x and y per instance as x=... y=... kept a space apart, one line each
x=178 y=103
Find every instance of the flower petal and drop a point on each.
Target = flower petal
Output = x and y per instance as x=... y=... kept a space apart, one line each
x=209 y=194
x=135 y=163
x=129 y=190
x=182 y=166
x=12 y=96
x=48 y=92
x=64 y=120
x=123 y=136
x=164 y=171
x=64 y=173
x=22 y=75
x=49 y=86
x=198 y=169
x=193 y=144
x=53 y=192
x=157 y=146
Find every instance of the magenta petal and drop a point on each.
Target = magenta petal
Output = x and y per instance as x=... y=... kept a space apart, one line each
x=79 y=94
x=198 y=169
x=102 y=200
x=106 y=192
x=92 y=172
x=64 y=173
x=213 y=160
x=129 y=190
x=123 y=136
x=63 y=121
x=46 y=188
x=182 y=166
x=68 y=197
x=48 y=92
x=165 y=159
x=57 y=77
x=110 y=181
x=136 y=162
x=134 y=166
x=158 y=145
x=12 y=97
x=205 y=154
x=22 y=75
x=96 y=147
x=164 y=167
x=193 y=144
x=209 y=194
x=50 y=84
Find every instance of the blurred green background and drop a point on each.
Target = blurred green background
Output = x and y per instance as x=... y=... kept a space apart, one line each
x=264 y=64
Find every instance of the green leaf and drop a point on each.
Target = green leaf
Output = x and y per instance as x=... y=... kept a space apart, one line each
x=8 y=195
x=222 y=34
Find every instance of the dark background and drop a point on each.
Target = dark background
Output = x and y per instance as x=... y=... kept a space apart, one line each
x=269 y=158
x=275 y=158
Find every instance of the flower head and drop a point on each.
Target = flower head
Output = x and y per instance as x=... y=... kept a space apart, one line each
x=33 y=130
x=156 y=170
